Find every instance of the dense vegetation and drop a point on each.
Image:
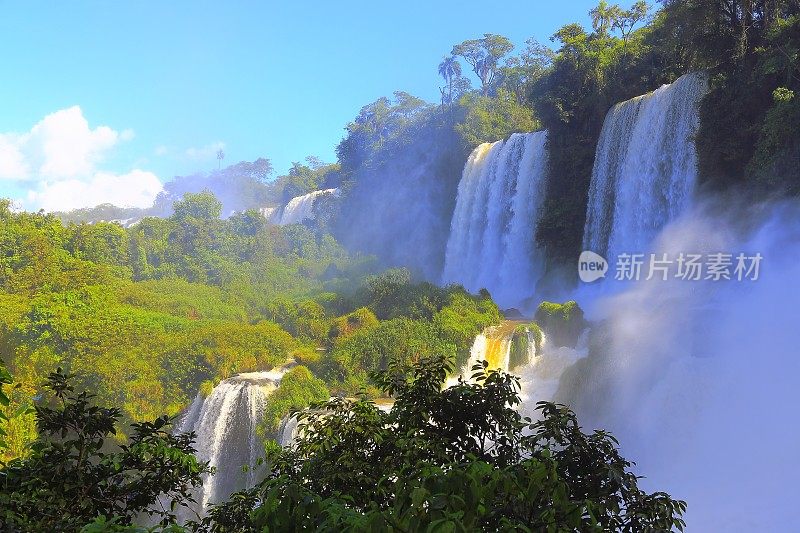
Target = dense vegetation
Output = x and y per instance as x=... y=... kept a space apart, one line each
x=455 y=459
x=203 y=286
x=148 y=316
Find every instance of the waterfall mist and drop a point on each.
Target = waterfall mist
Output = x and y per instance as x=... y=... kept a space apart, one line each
x=645 y=167
x=699 y=379
x=492 y=240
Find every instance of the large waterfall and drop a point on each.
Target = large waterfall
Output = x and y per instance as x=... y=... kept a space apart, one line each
x=301 y=208
x=226 y=424
x=645 y=167
x=492 y=240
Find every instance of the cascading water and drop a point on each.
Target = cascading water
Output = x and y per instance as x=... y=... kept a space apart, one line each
x=226 y=426
x=301 y=208
x=540 y=373
x=645 y=167
x=492 y=240
x=492 y=346
x=698 y=379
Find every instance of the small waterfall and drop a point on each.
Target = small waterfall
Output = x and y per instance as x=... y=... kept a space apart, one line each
x=301 y=208
x=645 y=167
x=540 y=379
x=268 y=212
x=492 y=240
x=288 y=431
x=226 y=426
x=540 y=366
x=494 y=346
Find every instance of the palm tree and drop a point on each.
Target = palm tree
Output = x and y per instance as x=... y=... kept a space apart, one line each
x=450 y=70
x=220 y=157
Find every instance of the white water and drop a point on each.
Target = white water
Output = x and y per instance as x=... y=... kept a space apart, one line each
x=541 y=377
x=268 y=212
x=301 y=208
x=225 y=423
x=478 y=353
x=492 y=240
x=645 y=167
x=700 y=381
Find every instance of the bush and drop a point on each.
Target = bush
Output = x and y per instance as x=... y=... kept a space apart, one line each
x=562 y=323
x=455 y=459
x=297 y=390
x=71 y=477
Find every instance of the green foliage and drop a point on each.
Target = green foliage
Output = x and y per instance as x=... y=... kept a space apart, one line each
x=777 y=156
x=484 y=56
x=346 y=325
x=453 y=459
x=5 y=401
x=302 y=179
x=71 y=477
x=520 y=339
x=115 y=525
x=488 y=119
x=298 y=389
x=562 y=323
x=418 y=320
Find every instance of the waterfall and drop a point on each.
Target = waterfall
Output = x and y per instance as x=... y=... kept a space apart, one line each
x=645 y=167
x=301 y=208
x=288 y=431
x=226 y=424
x=492 y=240
x=494 y=345
x=540 y=376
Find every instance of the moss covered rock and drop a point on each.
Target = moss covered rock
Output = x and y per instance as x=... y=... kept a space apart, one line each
x=523 y=335
x=562 y=323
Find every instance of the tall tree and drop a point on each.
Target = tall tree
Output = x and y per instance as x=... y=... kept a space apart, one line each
x=450 y=70
x=484 y=56
x=603 y=17
x=627 y=20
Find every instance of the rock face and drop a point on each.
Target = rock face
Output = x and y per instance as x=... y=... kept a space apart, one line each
x=561 y=323
x=512 y=314
x=526 y=343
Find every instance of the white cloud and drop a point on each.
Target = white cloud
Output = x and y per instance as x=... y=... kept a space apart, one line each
x=57 y=162
x=61 y=145
x=206 y=152
x=137 y=188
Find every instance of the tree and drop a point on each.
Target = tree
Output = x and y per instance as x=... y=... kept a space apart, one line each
x=484 y=56
x=628 y=19
x=220 y=157
x=453 y=459
x=72 y=477
x=450 y=70
x=520 y=73
x=603 y=17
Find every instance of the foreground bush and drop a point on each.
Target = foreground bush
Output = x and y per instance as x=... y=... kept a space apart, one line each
x=74 y=473
x=458 y=459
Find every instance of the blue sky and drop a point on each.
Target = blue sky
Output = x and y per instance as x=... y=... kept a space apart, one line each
x=173 y=81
